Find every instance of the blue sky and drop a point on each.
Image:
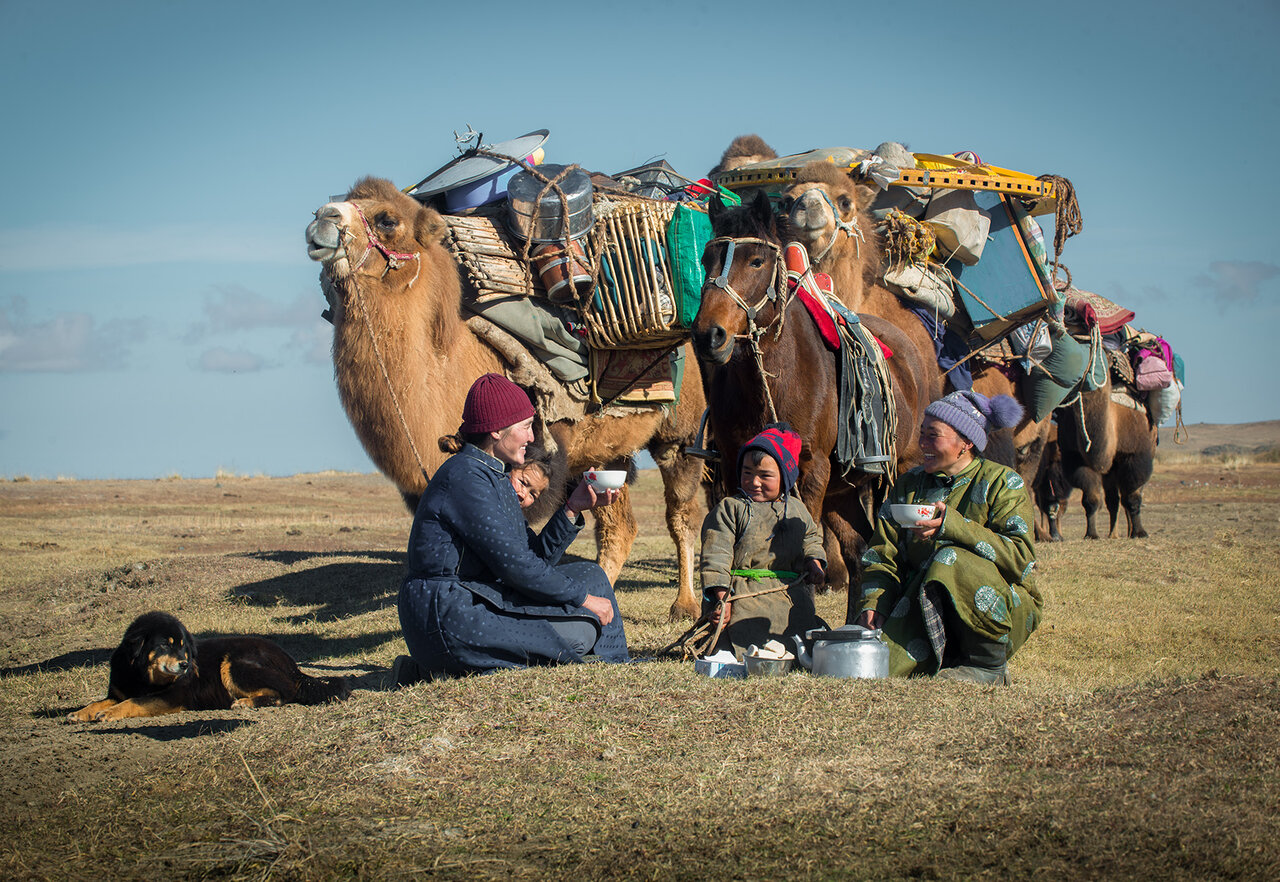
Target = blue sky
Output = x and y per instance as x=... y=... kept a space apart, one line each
x=159 y=315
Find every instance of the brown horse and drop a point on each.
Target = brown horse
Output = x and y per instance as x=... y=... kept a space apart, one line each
x=799 y=376
x=827 y=212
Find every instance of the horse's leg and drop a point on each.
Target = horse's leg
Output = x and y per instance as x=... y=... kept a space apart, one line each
x=837 y=572
x=851 y=527
x=681 y=478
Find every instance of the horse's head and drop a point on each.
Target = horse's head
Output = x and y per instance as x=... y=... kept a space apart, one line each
x=822 y=208
x=375 y=231
x=746 y=284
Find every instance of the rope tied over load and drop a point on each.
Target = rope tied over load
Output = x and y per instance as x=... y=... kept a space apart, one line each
x=1067 y=221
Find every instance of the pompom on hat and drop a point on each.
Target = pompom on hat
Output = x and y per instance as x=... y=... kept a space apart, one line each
x=783 y=444
x=973 y=414
x=493 y=403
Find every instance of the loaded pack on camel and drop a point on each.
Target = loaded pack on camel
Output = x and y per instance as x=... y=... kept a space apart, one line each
x=578 y=286
x=1107 y=432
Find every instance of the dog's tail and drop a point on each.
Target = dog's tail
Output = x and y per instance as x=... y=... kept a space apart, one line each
x=319 y=690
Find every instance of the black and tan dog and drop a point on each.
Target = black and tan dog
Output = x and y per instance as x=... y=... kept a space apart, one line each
x=159 y=668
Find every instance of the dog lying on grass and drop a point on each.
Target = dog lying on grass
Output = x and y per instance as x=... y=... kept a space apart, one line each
x=159 y=668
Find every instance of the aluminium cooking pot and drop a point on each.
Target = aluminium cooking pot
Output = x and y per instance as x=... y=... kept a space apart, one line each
x=850 y=651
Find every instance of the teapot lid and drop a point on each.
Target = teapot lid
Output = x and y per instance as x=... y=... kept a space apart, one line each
x=844 y=633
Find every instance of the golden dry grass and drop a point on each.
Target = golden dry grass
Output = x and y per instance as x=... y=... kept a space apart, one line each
x=1141 y=738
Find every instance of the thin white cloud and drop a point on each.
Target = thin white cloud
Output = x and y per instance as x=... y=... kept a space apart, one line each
x=1236 y=281
x=314 y=344
x=221 y=360
x=66 y=343
x=97 y=247
x=233 y=308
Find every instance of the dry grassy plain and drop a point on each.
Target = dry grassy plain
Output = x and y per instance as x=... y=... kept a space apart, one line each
x=1141 y=737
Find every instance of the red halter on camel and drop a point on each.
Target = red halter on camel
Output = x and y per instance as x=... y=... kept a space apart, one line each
x=395 y=259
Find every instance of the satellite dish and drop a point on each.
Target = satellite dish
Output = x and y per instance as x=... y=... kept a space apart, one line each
x=470 y=167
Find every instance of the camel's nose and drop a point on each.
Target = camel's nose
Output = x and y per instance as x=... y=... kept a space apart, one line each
x=324 y=235
x=810 y=211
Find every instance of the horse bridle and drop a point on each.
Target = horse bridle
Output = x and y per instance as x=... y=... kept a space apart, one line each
x=776 y=293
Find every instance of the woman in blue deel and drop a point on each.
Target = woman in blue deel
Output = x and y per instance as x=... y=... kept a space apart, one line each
x=483 y=590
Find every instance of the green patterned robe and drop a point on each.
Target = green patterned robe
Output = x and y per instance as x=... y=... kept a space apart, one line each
x=982 y=557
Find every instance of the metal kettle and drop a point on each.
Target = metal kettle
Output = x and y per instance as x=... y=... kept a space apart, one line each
x=850 y=651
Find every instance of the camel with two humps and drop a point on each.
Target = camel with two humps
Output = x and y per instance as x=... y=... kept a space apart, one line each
x=1107 y=450
x=404 y=358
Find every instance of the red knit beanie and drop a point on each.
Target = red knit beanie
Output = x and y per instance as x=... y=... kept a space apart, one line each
x=783 y=444
x=493 y=403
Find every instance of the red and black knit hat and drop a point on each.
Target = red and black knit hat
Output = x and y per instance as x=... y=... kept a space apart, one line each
x=781 y=442
x=493 y=403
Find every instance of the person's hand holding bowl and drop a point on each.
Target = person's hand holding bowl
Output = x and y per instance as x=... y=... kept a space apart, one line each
x=597 y=488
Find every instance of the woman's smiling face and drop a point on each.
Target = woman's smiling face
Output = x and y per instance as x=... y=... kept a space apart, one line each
x=509 y=443
x=943 y=448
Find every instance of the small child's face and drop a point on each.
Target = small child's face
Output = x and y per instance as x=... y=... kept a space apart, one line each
x=528 y=484
x=762 y=482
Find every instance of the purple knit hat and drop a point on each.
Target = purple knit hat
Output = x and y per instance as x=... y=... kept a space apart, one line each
x=973 y=414
x=493 y=403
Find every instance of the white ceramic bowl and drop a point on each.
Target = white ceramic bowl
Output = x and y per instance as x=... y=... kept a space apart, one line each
x=605 y=479
x=908 y=514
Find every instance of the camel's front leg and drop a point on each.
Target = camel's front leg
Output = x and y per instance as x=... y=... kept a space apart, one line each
x=615 y=533
x=681 y=479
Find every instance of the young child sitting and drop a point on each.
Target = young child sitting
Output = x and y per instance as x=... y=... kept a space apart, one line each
x=762 y=537
x=529 y=480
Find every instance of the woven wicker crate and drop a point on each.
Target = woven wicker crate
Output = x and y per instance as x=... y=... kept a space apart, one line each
x=633 y=304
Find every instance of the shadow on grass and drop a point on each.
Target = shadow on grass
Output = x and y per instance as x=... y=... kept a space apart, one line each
x=67 y=661
x=653 y=572
x=290 y=558
x=339 y=590
x=302 y=647
x=177 y=731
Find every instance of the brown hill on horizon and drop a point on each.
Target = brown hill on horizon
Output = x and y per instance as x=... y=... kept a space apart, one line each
x=1236 y=437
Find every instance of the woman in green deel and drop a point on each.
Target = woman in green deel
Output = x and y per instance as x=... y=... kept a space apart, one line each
x=955 y=595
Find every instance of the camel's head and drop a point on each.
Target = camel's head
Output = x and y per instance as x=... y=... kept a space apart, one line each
x=744 y=276
x=823 y=207
x=377 y=230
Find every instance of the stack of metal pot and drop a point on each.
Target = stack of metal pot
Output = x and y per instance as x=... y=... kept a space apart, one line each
x=555 y=228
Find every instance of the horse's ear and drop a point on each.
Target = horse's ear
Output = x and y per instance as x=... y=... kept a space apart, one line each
x=762 y=210
x=715 y=210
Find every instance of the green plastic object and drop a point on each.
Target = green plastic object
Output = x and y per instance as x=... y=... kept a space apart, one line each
x=687 y=237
